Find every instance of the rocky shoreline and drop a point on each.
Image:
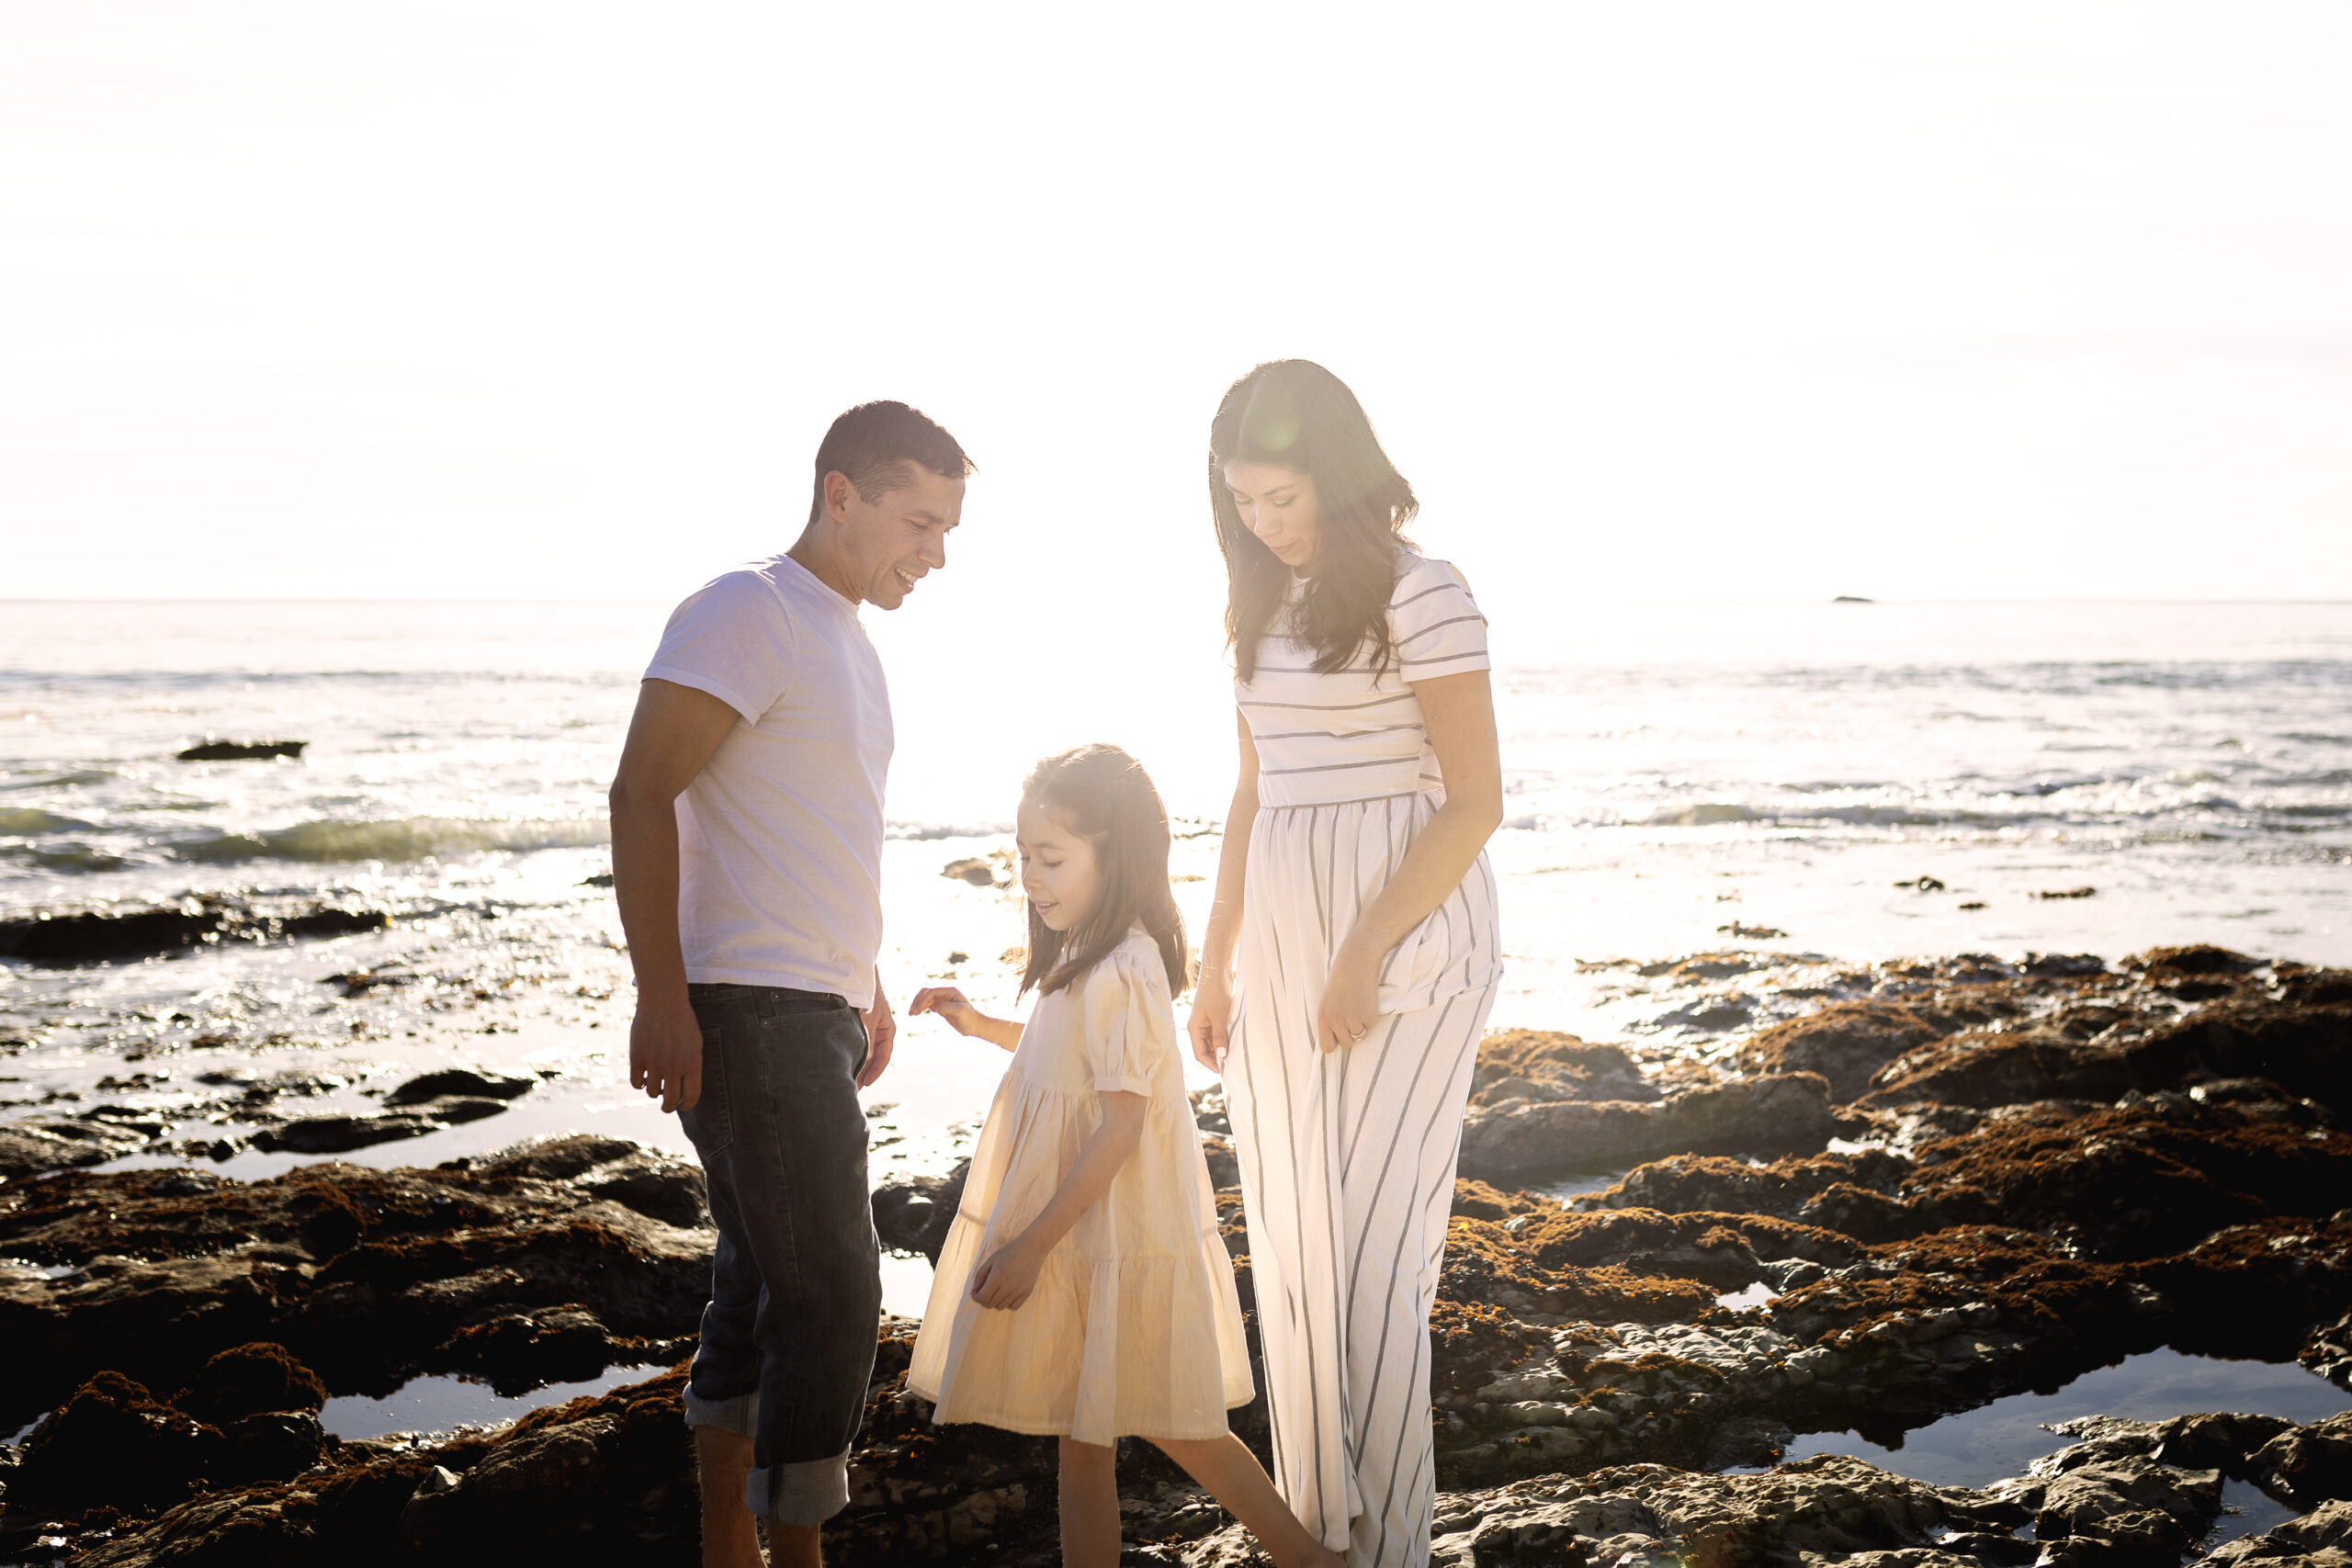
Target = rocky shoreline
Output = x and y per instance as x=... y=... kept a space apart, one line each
x=1820 y=1199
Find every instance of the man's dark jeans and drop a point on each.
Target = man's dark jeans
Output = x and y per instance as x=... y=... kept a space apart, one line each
x=796 y=1291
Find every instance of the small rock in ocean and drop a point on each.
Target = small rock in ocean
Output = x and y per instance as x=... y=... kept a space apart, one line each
x=1709 y=1015
x=1924 y=885
x=1759 y=933
x=959 y=956
x=1973 y=904
x=463 y=1082
x=197 y=920
x=360 y=982
x=241 y=751
x=2071 y=893
x=601 y=879
x=976 y=872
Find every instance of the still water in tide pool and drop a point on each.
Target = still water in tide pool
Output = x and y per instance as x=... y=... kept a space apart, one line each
x=1977 y=1447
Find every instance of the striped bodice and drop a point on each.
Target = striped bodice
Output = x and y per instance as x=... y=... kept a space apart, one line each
x=1352 y=735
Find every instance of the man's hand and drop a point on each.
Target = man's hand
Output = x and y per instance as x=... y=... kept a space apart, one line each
x=665 y=1053
x=1007 y=1278
x=881 y=1034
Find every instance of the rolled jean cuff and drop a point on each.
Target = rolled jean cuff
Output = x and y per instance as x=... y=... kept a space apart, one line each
x=738 y=1414
x=806 y=1495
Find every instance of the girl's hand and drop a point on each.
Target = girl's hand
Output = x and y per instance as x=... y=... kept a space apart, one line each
x=1005 y=1280
x=949 y=1004
x=1212 y=1013
x=1350 y=1001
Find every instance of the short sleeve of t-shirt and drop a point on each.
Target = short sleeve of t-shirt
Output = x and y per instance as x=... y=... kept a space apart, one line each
x=732 y=638
x=1435 y=625
x=1130 y=1024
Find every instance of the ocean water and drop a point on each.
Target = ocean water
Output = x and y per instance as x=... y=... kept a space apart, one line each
x=1681 y=779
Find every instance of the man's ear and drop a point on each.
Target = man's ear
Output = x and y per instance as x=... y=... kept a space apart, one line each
x=839 y=493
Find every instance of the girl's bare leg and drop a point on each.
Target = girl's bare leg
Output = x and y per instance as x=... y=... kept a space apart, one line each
x=1090 y=1505
x=1233 y=1476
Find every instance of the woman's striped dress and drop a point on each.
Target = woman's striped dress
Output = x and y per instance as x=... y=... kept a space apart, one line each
x=1347 y=1159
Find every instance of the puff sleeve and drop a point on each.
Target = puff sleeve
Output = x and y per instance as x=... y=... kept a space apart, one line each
x=1434 y=625
x=1130 y=1023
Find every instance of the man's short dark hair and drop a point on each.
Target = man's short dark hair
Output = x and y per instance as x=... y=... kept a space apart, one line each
x=879 y=446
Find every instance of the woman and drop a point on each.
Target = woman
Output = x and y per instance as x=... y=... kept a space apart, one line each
x=1350 y=956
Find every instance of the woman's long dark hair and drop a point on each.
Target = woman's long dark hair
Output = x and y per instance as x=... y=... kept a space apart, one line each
x=1101 y=793
x=1294 y=414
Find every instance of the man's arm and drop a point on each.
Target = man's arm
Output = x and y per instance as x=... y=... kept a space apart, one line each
x=671 y=738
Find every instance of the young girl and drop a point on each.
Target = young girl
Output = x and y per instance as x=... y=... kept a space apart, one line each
x=1083 y=1290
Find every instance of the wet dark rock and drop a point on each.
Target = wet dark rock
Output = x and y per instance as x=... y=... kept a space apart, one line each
x=368 y=1276
x=2322 y=1539
x=2160 y=963
x=1519 y=1139
x=2132 y=1508
x=1828 y=1507
x=1845 y=1042
x=276 y=1446
x=518 y=1350
x=2309 y=1465
x=2317 y=987
x=31 y=1148
x=251 y=1379
x=338 y=1135
x=462 y=1082
x=113 y=1443
x=1544 y=1064
x=111 y=936
x=979 y=873
x=241 y=751
x=2303 y=1049
x=2328 y=1352
x=656 y=1185
x=914 y=1213
x=1709 y=1015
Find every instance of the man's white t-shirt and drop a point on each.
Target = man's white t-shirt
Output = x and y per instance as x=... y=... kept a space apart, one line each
x=780 y=836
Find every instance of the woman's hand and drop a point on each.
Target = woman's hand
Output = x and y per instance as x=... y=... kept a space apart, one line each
x=1212 y=1015
x=1350 y=1000
x=1007 y=1277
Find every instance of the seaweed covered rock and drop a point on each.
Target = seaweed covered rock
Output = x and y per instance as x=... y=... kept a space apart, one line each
x=1520 y=1139
x=366 y=1275
x=1544 y=1064
x=1846 y=1043
x=113 y=1444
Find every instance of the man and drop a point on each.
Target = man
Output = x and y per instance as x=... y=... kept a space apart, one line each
x=746 y=857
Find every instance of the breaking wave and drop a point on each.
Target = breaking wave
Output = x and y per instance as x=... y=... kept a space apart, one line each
x=407 y=838
x=24 y=821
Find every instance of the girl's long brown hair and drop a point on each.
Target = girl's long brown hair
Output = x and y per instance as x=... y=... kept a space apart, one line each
x=1103 y=795
x=1294 y=414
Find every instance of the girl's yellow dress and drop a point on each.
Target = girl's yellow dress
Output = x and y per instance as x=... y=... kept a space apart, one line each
x=1133 y=1329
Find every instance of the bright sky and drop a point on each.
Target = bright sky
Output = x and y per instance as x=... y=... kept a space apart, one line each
x=1659 y=301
